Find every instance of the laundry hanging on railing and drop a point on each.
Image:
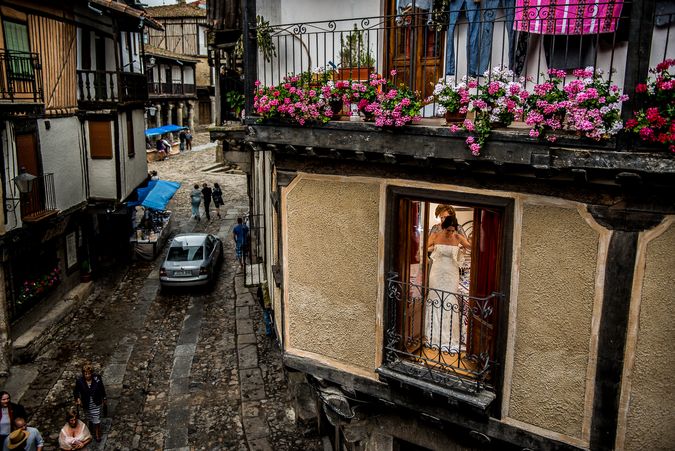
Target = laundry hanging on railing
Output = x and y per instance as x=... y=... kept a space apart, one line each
x=567 y=17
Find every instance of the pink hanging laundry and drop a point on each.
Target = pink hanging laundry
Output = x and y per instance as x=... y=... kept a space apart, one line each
x=569 y=17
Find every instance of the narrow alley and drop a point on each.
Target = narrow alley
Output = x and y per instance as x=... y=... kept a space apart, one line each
x=183 y=369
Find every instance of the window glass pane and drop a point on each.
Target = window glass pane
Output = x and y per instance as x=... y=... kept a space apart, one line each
x=185 y=254
x=20 y=65
x=16 y=37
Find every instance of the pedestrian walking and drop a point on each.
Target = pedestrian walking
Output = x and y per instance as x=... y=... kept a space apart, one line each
x=24 y=438
x=240 y=235
x=217 y=198
x=188 y=139
x=207 y=194
x=74 y=434
x=90 y=393
x=162 y=151
x=182 y=136
x=9 y=412
x=195 y=201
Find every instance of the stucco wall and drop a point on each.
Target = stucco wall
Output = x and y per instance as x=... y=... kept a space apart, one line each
x=134 y=169
x=553 y=324
x=203 y=73
x=333 y=236
x=102 y=172
x=651 y=409
x=61 y=152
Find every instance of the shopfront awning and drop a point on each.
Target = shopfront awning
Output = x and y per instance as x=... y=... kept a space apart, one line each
x=156 y=195
x=159 y=131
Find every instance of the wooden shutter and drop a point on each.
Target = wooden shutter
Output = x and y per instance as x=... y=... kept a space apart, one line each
x=100 y=140
x=131 y=149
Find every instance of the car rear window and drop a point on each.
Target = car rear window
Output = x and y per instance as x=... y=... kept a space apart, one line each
x=185 y=254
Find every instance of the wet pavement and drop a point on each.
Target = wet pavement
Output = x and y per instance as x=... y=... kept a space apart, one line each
x=184 y=369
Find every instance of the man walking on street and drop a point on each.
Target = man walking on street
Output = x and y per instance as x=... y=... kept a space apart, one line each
x=240 y=235
x=24 y=437
x=206 y=194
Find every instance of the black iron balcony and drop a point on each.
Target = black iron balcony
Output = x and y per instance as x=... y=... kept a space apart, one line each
x=40 y=202
x=20 y=77
x=443 y=338
x=423 y=46
x=101 y=88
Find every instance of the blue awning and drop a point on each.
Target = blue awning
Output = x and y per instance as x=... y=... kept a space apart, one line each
x=158 y=131
x=156 y=195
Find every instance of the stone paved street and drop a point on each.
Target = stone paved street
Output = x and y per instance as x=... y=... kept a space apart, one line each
x=183 y=369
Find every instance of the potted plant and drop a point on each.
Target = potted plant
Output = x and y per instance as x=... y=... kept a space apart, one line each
x=396 y=106
x=595 y=105
x=365 y=95
x=497 y=103
x=356 y=61
x=545 y=109
x=293 y=99
x=235 y=100
x=453 y=98
x=655 y=121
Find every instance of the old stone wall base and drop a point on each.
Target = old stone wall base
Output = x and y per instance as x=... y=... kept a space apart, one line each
x=28 y=344
x=378 y=427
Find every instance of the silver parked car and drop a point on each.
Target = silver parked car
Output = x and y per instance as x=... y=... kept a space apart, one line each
x=192 y=260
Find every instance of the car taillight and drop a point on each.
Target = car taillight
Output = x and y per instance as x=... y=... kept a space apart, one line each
x=162 y=272
x=203 y=270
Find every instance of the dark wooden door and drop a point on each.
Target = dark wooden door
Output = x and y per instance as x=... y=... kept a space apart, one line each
x=28 y=158
x=413 y=49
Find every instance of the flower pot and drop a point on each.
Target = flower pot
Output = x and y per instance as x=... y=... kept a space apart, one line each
x=452 y=117
x=336 y=106
x=354 y=73
x=85 y=277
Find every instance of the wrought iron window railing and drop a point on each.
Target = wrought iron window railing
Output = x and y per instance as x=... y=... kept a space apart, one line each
x=41 y=200
x=439 y=336
x=20 y=77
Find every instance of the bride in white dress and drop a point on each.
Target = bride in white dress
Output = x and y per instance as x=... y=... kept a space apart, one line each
x=443 y=309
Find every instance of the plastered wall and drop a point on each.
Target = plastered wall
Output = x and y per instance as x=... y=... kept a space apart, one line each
x=558 y=258
x=332 y=266
x=651 y=406
x=61 y=153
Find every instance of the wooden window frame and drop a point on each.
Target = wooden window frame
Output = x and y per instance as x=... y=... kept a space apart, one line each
x=395 y=194
x=18 y=70
x=96 y=150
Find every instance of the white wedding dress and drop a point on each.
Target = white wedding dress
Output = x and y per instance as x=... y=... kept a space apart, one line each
x=442 y=317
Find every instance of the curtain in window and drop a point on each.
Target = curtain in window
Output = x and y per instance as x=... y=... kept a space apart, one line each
x=485 y=272
x=20 y=64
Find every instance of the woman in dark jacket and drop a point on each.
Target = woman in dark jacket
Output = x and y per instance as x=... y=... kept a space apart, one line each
x=9 y=412
x=90 y=393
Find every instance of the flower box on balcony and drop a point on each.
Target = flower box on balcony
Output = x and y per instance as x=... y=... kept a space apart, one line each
x=354 y=73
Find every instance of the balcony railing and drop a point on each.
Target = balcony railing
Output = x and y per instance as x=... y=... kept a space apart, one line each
x=438 y=336
x=40 y=202
x=106 y=87
x=424 y=46
x=20 y=77
x=171 y=88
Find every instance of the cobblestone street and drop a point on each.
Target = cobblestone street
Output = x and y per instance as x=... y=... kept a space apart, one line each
x=184 y=369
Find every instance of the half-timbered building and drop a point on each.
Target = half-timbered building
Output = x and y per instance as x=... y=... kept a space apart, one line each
x=183 y=39
x=72 y=94
x=552 y=330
